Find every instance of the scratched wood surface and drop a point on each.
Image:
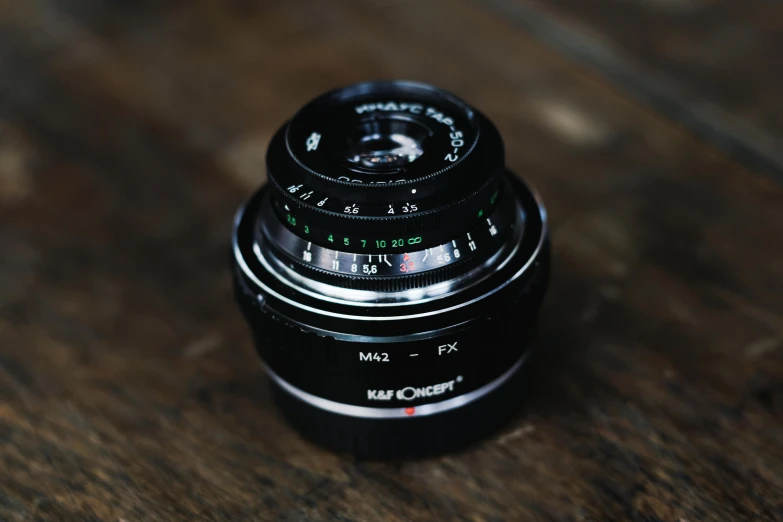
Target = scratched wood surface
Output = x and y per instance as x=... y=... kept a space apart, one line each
x=129 y=388
x=713 y=65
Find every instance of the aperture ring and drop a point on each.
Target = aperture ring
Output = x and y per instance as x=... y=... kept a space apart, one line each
x=299 y=205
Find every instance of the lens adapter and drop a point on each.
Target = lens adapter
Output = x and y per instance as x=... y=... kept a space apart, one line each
x=391 y=271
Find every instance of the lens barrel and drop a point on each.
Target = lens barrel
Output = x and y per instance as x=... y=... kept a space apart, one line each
x=391 y=271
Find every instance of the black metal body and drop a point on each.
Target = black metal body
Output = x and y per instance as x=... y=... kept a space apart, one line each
x=370 y=348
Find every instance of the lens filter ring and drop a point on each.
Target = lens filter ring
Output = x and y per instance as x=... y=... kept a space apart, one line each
x=325 y=137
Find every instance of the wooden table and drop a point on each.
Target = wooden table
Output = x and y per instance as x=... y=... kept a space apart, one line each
x=131 y=131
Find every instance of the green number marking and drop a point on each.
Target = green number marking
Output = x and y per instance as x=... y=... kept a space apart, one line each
x=345 y=241
x=493 y=198
x=291 y=220
x=364 y=243
x=414 y=240
x=307 y=229
x=330 y=238
x=380 y=243
x=398 y=242
x=481 y=212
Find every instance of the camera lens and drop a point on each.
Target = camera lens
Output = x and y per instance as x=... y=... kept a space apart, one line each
x=391 y=271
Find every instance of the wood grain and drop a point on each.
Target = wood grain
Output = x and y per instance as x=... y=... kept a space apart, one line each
x=712 y=65
x=129 y=389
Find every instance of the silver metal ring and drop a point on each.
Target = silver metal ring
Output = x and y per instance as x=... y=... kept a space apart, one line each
x=249 y=273
x=396 y=413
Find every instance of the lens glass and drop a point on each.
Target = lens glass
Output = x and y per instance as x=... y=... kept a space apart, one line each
x=387 y=142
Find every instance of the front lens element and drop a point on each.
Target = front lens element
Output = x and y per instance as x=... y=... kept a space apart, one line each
x=387 y=142
x=378 y=150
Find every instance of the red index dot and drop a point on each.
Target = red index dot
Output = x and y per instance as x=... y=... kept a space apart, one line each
x=406 y=257
x=410 y=411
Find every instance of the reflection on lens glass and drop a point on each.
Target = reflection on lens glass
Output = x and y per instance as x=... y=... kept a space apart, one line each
x=391 y=150
x=390 y=141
